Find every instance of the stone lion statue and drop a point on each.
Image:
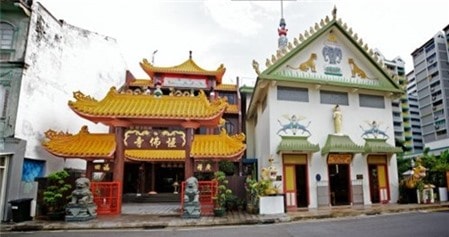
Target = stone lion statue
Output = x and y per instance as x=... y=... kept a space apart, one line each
x=82 y=206
x=82 y=193
x=191 y=208
x=191 y=193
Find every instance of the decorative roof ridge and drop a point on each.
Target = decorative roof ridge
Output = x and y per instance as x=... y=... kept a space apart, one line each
x=241 y=137
x=347 y=144
x=236 y=138
x=377 y=145
x=375 y=139
x=84 y=131
x=294 y=137
x=81 y=97
x=52 y=134
x=189 y=61
x=149 y=68
x=113 y=92
x=296 y=143
x=226 y=87
x=324 y=23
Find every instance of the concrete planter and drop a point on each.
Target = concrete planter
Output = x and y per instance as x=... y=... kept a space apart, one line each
x=271 y=205
x=442 y=193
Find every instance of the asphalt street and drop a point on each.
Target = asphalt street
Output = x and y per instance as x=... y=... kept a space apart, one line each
x=421 y=223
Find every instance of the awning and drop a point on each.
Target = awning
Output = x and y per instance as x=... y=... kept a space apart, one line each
x=373 y=145
x=340 y=144
x=296 y=143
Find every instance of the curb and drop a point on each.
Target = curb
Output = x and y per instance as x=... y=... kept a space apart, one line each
x=126 y=222
x=202 y=222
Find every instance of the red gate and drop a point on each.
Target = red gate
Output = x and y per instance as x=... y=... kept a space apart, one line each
x=107 y=197
x=208 y=190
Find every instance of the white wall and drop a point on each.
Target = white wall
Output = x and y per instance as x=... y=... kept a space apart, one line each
x=262 y=141
x=321 y=126
x=62 y=59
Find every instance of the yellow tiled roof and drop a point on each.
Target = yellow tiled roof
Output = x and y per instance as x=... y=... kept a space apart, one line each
x=226 y=87
x=81 y=145
x=124 y=105
x=222 y=145
x=188 y=67
x=234 y=109
x=141 y=83
x=98 y=146
x=156 y=155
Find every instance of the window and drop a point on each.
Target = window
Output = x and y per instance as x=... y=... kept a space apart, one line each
x=32 y=169
x=292 y=94
x=430 y=47
x=333 y=97
x=372 y=101
x=3 y=100
x=6 y=35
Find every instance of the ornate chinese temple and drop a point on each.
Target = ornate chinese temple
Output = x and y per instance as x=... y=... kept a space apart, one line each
x=179 y=122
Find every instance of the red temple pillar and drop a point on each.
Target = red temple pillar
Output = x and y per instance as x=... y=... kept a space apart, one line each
x=119 y=161
x=89 y=169
x=119 y=164
x=188 y=166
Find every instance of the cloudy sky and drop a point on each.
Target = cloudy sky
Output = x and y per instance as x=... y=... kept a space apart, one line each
x=234 y=32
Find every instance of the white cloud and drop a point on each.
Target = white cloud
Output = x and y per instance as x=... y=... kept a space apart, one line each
x=243 y=17
x=234 y=32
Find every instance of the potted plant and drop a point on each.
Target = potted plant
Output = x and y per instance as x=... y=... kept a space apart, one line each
x=253 y=193
x=222 y=195
x=56 y=194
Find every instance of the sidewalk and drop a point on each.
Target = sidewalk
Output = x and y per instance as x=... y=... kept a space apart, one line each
x=151 y=216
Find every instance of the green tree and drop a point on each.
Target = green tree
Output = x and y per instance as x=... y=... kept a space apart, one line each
x=437 y=167
x=57 y=192
x=223 y=192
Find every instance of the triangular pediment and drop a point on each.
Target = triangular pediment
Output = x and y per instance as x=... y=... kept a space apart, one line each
x=330 y=54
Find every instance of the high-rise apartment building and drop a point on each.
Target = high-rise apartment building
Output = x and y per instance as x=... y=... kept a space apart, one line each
x=400 y=106
x=415 y=118
x=431 y=69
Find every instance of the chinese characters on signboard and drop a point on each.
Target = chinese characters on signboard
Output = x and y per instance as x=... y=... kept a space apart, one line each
x=102 y=167
x=154 y=139
x=203 y=166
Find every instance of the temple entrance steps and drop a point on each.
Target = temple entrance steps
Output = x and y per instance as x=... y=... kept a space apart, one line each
x=150 y=198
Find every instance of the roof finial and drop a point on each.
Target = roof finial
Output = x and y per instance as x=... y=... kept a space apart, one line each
x=282 y=31
x=334 y=12
x=190 y=54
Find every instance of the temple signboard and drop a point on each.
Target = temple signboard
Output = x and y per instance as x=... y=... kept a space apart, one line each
x=339 y=159
x=155 y=139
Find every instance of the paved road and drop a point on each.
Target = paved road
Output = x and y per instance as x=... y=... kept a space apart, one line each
x=405 y=224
